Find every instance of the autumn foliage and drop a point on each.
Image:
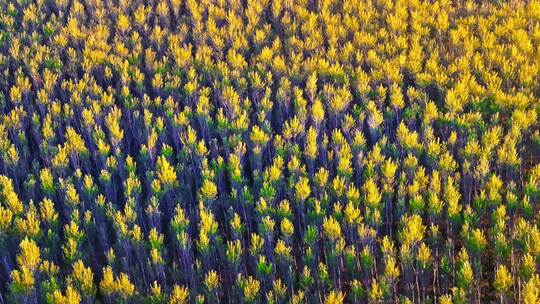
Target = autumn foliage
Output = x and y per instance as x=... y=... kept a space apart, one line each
x=269 y=151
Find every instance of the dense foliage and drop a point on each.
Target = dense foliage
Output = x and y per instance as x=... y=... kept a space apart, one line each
x=269 y=151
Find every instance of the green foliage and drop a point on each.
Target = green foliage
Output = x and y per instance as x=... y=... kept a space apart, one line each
x=269 y=151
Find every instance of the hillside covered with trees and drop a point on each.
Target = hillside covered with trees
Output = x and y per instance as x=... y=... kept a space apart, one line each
x=269 y=151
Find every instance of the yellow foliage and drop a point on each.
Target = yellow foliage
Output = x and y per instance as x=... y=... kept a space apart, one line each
x=179 y=295
x=211 y=280
x=84 y=278
x=391 y=270
x=334 y=297
x=5 y=219
x=352 y=214
x=373 y=196
x=107 y=285
x=71 y=296
x=282 y=250
x=29 y=256
x=165 y=172
x=250 y=288
x=30 y=225
x=302 y=189
x=287 y=227
x=413 y=229
x=124 y=287
x=75 y=142
x=209 y=190
x=9 y=195
x=22 y=280
x=331 y=228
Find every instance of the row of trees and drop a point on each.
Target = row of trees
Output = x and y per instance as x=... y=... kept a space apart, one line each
x=269 y=151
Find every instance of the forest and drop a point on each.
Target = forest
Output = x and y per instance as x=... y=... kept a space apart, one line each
x=269 y=151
